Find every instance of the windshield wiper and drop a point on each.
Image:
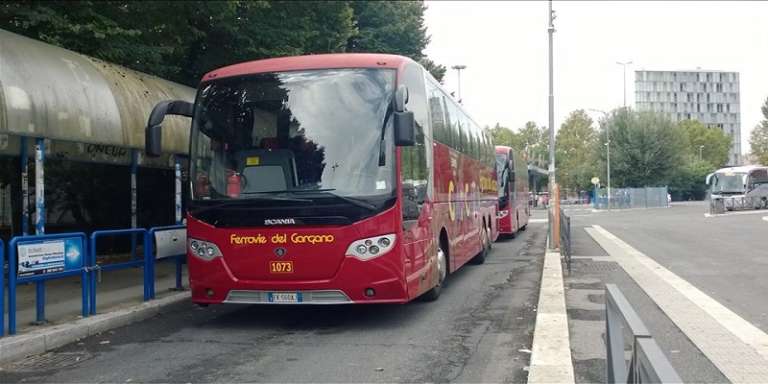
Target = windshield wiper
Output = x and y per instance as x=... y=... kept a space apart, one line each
x=244 y=203
x=327 y=191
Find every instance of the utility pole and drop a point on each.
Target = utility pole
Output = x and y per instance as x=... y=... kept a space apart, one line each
x=624 y=65
x=701 y=148
x=551 y=32
x=608 y=153
x=458 y=69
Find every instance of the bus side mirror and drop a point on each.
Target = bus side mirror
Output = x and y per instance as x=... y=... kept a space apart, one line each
x=405 y=132
x=154 y=131
x=401 y=98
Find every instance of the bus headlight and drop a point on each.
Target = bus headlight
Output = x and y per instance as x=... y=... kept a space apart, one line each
x=203 y=249
x=368 y=248
x=503 y=214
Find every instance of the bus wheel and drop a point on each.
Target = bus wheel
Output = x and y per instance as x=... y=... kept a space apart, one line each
x=442 y=272
x=486 y=240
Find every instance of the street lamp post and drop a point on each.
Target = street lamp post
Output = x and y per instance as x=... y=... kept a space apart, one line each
x=701 y=148
x=624 y=65
x=458 y=69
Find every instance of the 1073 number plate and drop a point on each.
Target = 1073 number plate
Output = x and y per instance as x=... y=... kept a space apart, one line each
x=281 y=267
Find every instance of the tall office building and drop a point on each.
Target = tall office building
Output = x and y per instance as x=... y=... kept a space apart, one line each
x=711 y=97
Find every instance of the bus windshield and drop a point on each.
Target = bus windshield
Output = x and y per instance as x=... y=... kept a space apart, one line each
x=729 y=182
x=286 y=132
x=501 y=164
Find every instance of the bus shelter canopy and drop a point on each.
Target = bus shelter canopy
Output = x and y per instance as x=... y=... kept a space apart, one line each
x=53 y=93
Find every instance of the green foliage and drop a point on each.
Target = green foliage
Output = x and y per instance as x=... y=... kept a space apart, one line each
x=182 y=40
x=436 y=70
x=758 y=139
x=646 y=148
x=688 y=180
x=714 y=144
x=576 y=148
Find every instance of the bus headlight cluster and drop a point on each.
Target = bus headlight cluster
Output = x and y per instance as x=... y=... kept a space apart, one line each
x=368 y=248
x=203 y=249
x=503 y=214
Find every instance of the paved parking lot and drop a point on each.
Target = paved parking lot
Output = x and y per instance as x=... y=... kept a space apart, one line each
x=722 y=259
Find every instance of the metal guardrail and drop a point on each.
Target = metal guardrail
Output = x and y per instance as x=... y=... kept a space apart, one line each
x=565 y=238
x=71 y=248
x=74 y=255
x=647 y=363
x=2 y=288
x=145 y=262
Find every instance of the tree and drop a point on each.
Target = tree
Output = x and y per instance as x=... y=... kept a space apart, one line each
x=646 y=148
x=503 y=136
x=182 y=40
x=712 y=142
x=758 y=139
x=436 y=70
x=576 y=147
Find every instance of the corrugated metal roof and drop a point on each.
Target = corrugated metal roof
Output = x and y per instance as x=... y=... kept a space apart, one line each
x=54 y=93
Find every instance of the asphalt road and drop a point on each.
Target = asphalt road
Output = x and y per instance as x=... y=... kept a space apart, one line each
x=480 y=330
x=726 y=257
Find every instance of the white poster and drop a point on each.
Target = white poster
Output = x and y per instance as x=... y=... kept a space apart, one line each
x=40 y=258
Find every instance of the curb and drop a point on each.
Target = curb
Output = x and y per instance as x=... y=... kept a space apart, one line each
x=551 y=352
x=43 y=340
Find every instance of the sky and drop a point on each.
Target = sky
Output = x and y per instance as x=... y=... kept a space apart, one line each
x=504 y=46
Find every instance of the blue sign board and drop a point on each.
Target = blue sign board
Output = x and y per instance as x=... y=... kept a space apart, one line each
x=39 y=257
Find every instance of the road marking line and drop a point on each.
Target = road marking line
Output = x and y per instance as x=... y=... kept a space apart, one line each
x=551 y=350
x=735 y=346
x=532 y=221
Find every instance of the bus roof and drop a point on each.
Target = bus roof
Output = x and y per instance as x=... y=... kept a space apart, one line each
x=740 y=169
x=297 y=63
x=502 y=149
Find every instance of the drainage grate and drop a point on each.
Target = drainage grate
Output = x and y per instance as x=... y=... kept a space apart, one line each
x=49 y=361
x=595 y=266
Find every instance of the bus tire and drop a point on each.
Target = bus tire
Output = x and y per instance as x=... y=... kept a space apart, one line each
x=485 y=240
x=442 y=273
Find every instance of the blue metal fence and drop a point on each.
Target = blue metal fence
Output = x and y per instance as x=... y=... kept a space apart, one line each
x=46 y=257
x=70 y=254
x=145 y=262
x=2 y=288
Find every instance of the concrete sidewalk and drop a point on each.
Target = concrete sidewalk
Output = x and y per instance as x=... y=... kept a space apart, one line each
x=117 y=289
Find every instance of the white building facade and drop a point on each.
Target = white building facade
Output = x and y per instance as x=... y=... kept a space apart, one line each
x=711 y=97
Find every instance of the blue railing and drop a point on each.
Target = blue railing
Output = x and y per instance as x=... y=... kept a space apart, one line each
x=145 y=262
x=2 y=288
x=38 y=258
x=45 y=257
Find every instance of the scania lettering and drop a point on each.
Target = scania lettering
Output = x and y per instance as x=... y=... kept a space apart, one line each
x=341 y=178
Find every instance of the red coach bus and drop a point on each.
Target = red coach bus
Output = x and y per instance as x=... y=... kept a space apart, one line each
x=330 y=179
x=514 y=206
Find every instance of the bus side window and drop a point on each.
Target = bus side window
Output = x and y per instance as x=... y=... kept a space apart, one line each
x=414 y=169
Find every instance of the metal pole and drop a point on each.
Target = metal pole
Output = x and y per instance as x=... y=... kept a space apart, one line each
x=177 y=174
x=624 y=65
x=608 y=145
x=40 y=219
x=551 y=32
x=701 y=147
x=24 y=187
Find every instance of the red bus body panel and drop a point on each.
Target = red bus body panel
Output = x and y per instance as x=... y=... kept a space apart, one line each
x=463 y=196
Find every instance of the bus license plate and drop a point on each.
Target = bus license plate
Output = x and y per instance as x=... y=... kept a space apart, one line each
x=281 y=266
x=284 y=297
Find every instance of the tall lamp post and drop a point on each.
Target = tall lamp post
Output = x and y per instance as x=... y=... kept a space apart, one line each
x=458 y=69
x=701 y=148
x=551 y=99
x=624 y=65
